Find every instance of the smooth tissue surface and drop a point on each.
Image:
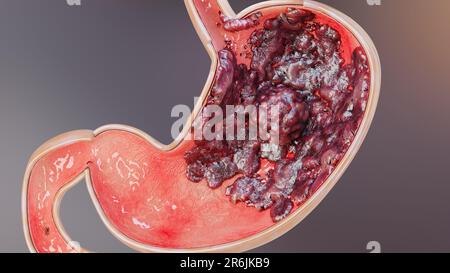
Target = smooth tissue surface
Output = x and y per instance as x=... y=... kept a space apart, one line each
x=126 y=173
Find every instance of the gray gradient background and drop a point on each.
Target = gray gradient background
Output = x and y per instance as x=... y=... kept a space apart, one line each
x=130 y=61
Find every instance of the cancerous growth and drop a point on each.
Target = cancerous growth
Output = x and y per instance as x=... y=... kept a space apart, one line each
x=296 y=64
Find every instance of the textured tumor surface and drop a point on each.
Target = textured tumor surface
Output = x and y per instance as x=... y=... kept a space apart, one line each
x=297 y=65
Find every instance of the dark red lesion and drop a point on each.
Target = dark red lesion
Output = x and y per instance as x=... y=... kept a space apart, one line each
x=46 y=231
x=297 y=64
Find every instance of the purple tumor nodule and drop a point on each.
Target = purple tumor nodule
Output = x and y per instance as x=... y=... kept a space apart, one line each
x=297 y=66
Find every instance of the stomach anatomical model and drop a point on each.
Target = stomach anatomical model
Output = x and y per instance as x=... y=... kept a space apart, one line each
x=315 y=64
